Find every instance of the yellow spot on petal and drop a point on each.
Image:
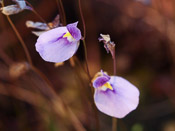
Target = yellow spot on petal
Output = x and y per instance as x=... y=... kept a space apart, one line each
x=108 y=85
x=67 y=35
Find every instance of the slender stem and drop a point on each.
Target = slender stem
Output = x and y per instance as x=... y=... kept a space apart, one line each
x=26 y=50
x=42 y=76
x=114 y=124
x=86 y=60
x=19 y=37
x=84 y=43
x=62 y=12
x=87 y=67
x=35 y=12
x=91 y=94
x=114 y=120
x=84 y=36
x=82 y=18
x=114 y=63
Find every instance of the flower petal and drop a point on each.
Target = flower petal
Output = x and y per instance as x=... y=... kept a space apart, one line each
x=21 y=4
x=51 y=35
x=54 y=47
x=11 y=9
x=38 y=33
x=14 y=9
x=120 y=101
x=100 y=81
x=37 y=25
x=57 y=51
x=74 y=31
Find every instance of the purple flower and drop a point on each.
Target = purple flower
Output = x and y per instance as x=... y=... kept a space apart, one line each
x=14 y=9
x=114 y=95
x=59 y=44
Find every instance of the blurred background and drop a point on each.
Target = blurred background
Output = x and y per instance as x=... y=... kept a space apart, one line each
x=42 y=97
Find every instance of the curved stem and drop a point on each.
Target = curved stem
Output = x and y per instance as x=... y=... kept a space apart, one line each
x=19 y=37
x=114 y=63
x=42 y=76
x=62 y=12
x=87 y=67
x=82 y=18
x=114 y=120
x=26 y=51
x=35 y=12
x=114 y=124
x=86 y=60
x=84 y=43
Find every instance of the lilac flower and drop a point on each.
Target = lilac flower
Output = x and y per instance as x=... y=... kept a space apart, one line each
x=59 y=44
x=14 y=9
x=114 y=95
x=43 y=27
x=37 y=25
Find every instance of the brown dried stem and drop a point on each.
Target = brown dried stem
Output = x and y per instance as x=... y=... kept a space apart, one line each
x=19 y=37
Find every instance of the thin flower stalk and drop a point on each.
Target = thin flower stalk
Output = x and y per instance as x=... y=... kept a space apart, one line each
x=62 y=12
x=86 y=62
x=35 y=12
x=19 y=37
x=114 y=120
